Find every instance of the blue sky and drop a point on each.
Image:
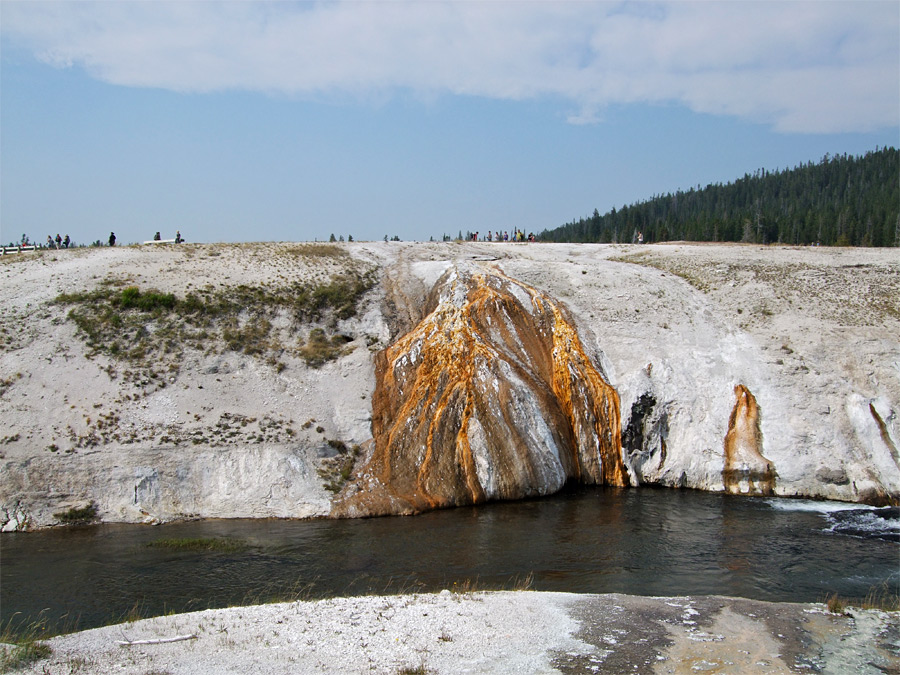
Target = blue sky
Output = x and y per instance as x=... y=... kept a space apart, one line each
x=285 y=121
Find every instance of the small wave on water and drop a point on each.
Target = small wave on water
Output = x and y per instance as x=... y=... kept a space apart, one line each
x=855 y=520
x=883 y=523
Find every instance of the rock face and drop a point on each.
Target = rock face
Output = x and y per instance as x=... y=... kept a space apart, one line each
x=746 y=471
x=490 y=396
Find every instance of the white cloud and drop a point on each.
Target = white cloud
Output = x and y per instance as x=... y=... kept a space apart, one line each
x=799 y=66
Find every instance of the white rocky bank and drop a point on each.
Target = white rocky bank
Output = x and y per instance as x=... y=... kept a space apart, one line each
x=812 y=333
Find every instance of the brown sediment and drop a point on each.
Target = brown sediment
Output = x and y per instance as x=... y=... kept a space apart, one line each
x=885 y=436
x=746 y=470
x=490 y=396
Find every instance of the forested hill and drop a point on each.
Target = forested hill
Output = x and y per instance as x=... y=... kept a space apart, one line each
x=842 y=200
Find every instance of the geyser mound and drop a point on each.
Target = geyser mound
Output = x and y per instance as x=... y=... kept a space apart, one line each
x=490 y=396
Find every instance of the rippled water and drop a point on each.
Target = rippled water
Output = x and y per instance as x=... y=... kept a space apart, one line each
x=640 y=541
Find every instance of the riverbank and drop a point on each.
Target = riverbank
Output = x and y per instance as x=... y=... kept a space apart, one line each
x=501 y=632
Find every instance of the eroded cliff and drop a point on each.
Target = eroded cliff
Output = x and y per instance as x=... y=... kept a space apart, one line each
x=490 y=396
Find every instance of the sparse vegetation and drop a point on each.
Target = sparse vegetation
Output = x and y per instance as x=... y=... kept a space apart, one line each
x=829 y=283
x=835 y=604
x=6 y=383
x=879 y=597
x=150 y=330
x=337 y=470
x=22 y=654
x=413 y=670
x=21 y=646
x=250 y=338
x=317 y=250
x=319 y=348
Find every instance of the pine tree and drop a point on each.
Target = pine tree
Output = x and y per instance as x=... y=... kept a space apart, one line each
x=851 y=200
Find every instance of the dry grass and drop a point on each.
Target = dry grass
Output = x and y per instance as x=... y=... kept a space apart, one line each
x=319 y=348
x=317 y=250
x=879 y=598
x=21 y=645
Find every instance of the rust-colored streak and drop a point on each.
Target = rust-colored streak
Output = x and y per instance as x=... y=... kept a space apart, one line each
x=746 y=471
x=885 y=435
x=490 y=396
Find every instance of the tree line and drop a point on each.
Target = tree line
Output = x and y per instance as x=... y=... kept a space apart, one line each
x=840 y=201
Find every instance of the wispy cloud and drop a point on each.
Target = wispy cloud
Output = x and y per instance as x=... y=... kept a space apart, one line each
x=817 y=67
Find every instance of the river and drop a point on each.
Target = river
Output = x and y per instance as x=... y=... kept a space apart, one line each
x=639 y=541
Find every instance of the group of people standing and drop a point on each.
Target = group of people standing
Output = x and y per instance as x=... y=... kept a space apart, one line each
x=517 y=235
x=156 y=237
x=58 y=242
x=178 y=239
x=64 y=242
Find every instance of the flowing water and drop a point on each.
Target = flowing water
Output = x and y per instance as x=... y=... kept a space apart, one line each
x=640 y=541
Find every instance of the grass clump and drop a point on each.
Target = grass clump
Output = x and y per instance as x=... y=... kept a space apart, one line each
x=337 y=470
x=23 y=654
x=201 y=544
x=20 y=645
x=151 y=301
x=319 y=348
x=835 y=604
x=413 y=670
x=879 y=598
x=78 y=516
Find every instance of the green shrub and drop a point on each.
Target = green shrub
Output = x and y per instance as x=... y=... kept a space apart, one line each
x=78 y=516
x=132 y=297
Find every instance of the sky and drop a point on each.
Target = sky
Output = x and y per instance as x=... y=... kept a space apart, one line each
x=291 y=121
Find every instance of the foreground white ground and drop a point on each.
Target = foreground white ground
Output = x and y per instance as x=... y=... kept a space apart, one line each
x=505 y=632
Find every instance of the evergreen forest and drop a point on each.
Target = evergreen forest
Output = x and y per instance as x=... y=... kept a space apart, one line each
x=839 y=201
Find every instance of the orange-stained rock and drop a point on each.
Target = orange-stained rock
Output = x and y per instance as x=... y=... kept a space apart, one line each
x=746 y=471
x=490 y=396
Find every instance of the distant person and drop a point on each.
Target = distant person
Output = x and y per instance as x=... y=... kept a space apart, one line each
x=112 y=238
x=58 y=241
x=640 y=237
x=178 y=238
x=49 y=241
x=66 y=241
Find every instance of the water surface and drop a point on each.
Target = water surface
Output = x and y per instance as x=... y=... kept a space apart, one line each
x=640 y=541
